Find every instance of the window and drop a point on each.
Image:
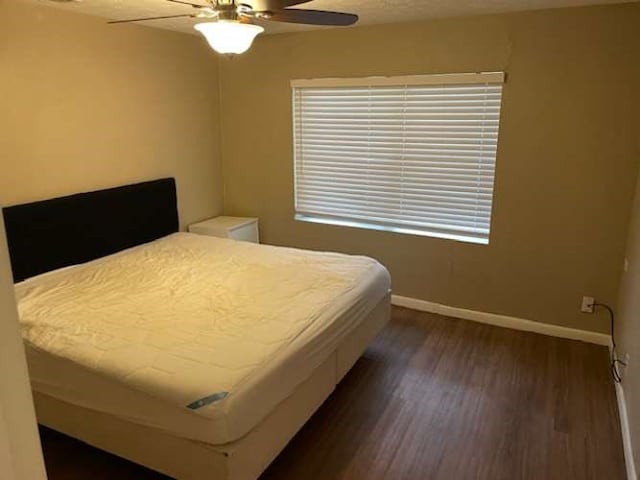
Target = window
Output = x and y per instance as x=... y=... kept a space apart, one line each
x=413 y=154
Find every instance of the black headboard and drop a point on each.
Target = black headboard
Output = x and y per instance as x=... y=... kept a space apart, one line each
x=50 y=234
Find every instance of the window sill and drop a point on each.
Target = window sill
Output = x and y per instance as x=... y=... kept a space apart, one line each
x=388 y=228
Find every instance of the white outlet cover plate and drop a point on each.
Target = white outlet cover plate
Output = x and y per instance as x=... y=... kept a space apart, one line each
x=587 y=304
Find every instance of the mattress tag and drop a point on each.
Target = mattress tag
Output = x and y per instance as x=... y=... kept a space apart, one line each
x=207 y=400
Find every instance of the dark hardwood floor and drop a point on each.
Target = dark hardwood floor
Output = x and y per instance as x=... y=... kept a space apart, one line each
x=438 y=398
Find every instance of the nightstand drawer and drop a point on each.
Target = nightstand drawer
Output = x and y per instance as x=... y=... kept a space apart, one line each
x=246 y=233
x=237 y=228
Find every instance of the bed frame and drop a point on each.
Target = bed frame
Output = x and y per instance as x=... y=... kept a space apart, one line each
x=51 y=234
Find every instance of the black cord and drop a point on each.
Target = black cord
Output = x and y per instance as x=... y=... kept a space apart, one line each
x=614 y=359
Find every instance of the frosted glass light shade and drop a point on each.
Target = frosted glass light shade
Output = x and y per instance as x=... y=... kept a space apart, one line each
x=229 y=36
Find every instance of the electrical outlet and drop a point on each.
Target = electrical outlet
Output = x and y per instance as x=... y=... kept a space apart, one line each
x=587 y=304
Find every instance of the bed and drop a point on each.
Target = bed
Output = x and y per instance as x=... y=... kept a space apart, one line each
x=195 y=356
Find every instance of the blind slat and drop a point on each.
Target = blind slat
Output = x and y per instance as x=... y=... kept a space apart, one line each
x=409 y=196
x=443 y=197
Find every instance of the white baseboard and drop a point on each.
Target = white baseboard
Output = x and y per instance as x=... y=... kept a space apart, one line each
x=626 y=433
x=502 y=320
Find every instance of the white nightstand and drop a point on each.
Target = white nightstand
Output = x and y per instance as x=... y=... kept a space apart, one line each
x=236 y=228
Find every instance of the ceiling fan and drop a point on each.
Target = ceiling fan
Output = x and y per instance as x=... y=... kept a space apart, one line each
x=230 y=29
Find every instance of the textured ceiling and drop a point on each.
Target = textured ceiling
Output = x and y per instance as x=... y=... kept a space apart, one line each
x=370 y=11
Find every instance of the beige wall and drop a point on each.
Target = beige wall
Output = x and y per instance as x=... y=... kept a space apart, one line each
x=566 y=165
x=628 y=326
x=20 y=453
x=85 y=105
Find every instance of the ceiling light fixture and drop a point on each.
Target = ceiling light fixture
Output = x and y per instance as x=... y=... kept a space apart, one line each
x=229 y=37
x=233 y=32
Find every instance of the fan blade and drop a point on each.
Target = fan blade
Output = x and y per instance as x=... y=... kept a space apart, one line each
x=270 y=5
x=194 y=5
x=312 y=17
x=150 y=18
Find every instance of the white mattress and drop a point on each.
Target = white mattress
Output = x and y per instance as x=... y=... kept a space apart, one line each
x=146 y=332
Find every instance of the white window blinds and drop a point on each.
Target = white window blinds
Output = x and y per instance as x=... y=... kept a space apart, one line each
x=410 y=154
